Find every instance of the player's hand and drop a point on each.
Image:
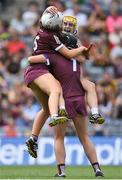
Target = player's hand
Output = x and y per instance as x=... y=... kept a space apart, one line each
x=52 y=9
x=86 y=51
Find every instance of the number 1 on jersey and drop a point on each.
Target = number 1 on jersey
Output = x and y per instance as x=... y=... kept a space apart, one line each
x=74 y=64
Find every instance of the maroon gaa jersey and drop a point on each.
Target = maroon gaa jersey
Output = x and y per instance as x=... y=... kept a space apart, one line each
x=67 y=72
x=46 y=42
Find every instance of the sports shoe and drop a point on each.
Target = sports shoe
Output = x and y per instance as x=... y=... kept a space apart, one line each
x=32 y=147
x=60 y=175
x=99 y=174
x=96 y=119
x=62 y=112
x=58 y=120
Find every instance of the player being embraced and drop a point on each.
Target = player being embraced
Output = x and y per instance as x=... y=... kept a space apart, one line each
x=69 y=29
x=68 y=74
x=68 y=37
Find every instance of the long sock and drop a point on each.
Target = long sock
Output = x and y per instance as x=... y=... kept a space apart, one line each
x=54 y=115
x=34 y=138
x=96 y=167
x=61 y=168
x=94 y=110
x=62 y=107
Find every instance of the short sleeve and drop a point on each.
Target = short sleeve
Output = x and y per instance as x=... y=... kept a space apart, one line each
x=55 y=42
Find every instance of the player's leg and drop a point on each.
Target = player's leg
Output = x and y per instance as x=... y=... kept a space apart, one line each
x=92 y=101
x=43 y=114
x=59 y=133
x=37 y=125
x=49 y=85
x=39 y=120
x=62 y=109
x=81 y=127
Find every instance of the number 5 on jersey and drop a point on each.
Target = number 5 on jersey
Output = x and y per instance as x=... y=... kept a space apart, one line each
x=35 y=43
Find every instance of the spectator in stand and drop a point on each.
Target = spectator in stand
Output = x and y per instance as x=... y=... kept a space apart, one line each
x=116 y=59
x=30 y=110
x=96 y=21
x=105 y=106
x=10 y=129
x=31 y=15
x=101 y=52
x=114 y=18
x=116 y=50
x=108 y=85
x=18 y=24
x=4 y=33
x=117 y=64
x=116 y=36
x=118 y=107
x=15 y=44
x=107 y=89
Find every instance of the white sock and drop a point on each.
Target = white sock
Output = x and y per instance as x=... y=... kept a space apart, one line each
x=97 y=170
x=94 y=110
x=54 y=115
x=61 y=174
x=62 y=107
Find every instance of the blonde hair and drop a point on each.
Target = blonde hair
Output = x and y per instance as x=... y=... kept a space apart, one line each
x=71 y=19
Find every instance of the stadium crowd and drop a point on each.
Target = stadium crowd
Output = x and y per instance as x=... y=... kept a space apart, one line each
x=99 y=21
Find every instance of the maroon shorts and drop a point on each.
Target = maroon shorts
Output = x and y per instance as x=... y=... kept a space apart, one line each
x=76 y=105
x=34 y=71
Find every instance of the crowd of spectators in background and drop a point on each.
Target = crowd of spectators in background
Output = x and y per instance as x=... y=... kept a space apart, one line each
x=99 y=21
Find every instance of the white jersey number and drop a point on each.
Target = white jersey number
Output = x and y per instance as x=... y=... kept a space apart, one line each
x=57 y=39
x=35 y=43
x=74 y=64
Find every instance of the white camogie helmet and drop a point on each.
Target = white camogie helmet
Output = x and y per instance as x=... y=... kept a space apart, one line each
x=52 y=21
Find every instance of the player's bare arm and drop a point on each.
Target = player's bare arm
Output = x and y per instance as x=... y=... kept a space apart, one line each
x=52 y=9
x=65 y=52
x=75 y=52
x=37 y=59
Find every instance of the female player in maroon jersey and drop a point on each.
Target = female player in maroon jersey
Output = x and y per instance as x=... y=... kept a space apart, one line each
x=70 y=26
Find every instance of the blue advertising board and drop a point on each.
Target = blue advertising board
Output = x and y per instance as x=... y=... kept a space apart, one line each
x=13 y=151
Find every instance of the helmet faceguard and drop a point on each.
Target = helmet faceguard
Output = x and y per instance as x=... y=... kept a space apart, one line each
x=51 y=21
x=70 y=24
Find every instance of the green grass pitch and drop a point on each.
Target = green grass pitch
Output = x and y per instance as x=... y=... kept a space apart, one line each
x=48 y=172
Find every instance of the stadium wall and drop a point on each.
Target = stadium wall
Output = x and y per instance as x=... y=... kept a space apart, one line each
x=13 y=151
